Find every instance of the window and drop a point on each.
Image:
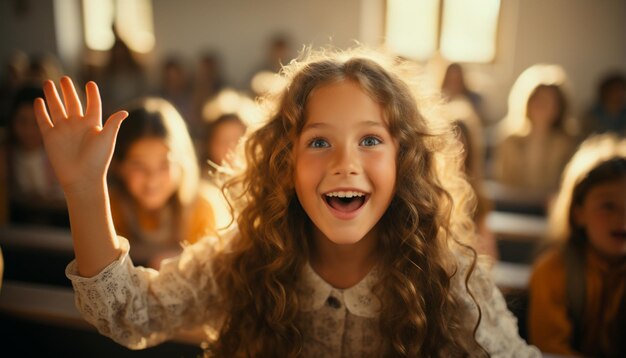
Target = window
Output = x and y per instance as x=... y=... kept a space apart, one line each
x=463 y=31
x=131 y=19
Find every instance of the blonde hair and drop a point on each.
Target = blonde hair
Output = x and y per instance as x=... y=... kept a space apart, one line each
x=592 y=153
x=526 y=85
x=427 y=218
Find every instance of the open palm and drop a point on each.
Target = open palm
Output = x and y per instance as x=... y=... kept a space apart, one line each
x=78 y=145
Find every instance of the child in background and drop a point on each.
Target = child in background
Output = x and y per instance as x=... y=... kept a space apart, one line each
x=532 y=155
x=33 y=192
x=223 y=136
x=350 y=241
x=175 y=87
x=608 y=114
x=453 y=88
x=577 y=289
x=155 y=200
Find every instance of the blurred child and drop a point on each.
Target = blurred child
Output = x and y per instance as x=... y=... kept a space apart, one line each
x=32 y=189
x=223 y=136
x=208 y=82
x=453 y=87
x=532 y=157
x=123 y=77
x=608 y=114
x=577 y=288
x=350 y=241
x=175 y=87
x=154 y=196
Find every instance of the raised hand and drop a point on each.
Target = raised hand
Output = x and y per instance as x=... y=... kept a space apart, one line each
x=79 y=147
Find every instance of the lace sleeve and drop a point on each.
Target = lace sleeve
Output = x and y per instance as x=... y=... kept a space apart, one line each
x=140 y=307
x=498 y=331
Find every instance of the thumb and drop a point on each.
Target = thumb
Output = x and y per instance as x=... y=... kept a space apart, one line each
x=112 y=125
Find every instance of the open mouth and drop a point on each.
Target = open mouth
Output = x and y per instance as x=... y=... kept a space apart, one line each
x=346 y=201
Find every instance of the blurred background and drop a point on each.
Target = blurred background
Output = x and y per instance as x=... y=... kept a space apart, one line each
x=211 y=58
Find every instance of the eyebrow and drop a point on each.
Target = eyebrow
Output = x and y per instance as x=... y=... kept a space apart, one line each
x=366 y=123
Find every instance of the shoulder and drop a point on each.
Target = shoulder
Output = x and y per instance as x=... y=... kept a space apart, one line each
x=202 y=205
x=201 y=219
x=498 y=330
x=513 y=142
x=548 y=269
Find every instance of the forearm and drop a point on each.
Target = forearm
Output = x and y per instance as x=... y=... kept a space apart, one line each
x=95 y=241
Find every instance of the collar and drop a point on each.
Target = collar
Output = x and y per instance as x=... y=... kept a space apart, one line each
x=359 y=299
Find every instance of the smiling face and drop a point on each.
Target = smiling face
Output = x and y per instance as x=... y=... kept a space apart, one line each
x=603 y=215
x=345 y=163
x=148 y=173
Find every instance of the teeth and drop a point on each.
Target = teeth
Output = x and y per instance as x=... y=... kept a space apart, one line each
x=345 y=194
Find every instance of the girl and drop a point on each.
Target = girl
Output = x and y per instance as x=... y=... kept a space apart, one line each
x=453 y=87
x=532 y=156
x=154 y=182
x=569 y=315
x=349 y=242
x=223 y=136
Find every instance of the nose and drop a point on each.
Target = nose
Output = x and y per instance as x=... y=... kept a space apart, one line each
x=345 y=161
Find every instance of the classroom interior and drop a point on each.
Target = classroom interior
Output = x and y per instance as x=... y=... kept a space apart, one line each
x=576 y=43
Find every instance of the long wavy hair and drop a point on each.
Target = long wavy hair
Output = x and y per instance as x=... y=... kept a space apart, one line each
x=259 y=269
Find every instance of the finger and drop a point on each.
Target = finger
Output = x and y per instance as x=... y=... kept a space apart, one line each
x=112 y=125
x=54 y=102
x=41 y=114
x=94 y=105
x=72 y=103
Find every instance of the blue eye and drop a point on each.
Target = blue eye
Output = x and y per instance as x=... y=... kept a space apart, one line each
x=319 y=143
x=370 y=141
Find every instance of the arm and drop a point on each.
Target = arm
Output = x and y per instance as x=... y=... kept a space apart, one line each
x=80 y=150
x=140 y=307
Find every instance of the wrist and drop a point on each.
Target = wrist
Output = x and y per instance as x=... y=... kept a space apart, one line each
x=86 y=190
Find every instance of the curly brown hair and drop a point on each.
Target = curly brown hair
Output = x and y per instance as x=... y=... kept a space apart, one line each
x=419 y=232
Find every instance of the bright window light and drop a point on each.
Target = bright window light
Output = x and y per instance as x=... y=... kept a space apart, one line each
x=469 y=30
x=98 y=20
x=133 y=20
x=411 y=27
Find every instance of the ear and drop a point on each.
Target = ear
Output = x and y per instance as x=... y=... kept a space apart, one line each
x=579 y=216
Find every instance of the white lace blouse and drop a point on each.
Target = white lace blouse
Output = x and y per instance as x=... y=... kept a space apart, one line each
x=139 y=307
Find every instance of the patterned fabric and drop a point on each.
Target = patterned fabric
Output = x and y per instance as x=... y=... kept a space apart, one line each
x=139 y=307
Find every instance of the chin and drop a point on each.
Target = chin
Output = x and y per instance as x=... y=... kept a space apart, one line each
x=153 y=205
x=344 y=237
